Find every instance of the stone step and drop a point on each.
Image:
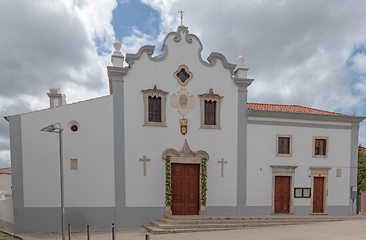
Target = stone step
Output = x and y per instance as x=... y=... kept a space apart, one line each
x=156 y=230
x=236 y=221
x=162 y=225
x=181 y=224
x=275 y=217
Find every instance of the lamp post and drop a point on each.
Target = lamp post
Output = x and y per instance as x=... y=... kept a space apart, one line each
x=54 y=129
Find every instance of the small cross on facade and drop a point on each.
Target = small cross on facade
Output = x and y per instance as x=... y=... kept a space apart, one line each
x=222 y=166
x=181 y=17
x=144 y=159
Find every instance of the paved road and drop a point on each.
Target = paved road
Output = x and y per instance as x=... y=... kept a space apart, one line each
x=345 y=230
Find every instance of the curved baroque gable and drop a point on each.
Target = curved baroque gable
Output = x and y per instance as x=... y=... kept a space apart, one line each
x=182 y=30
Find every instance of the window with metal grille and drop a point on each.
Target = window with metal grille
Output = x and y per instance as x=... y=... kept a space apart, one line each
x=320 y=146
x=154 y=109
x=183 y=75
x=284 y=145
x=210 y=112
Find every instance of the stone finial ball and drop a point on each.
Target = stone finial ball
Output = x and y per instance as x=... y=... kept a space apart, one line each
x=117 y=45
x=240 y=59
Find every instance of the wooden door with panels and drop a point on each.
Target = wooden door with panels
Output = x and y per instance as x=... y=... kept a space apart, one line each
x=318 y=195
x=185 y=189
x=282 y=194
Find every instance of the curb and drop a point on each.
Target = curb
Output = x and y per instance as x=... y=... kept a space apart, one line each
x=10 y=233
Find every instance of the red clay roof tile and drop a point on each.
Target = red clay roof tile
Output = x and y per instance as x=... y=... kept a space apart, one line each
x=289 y=108
x=5 y=170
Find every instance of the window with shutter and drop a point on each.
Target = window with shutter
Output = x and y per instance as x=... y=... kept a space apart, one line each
x=284 y=145
x=210 y=110
x=154 y=107
x=320 y=147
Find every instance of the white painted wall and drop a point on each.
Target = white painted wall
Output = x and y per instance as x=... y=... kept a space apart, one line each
x=262 y=154
x=92 y=185
x=5 y=183
x=151 y=141
x=6 y=210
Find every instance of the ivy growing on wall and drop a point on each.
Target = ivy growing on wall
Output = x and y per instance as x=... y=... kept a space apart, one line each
x=203 y=181
x=168 y=181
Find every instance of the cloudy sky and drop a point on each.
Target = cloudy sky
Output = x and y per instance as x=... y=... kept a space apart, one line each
x=304 y=52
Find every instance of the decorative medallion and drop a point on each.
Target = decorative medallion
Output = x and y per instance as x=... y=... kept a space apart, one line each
x=183 y=75
x=183 y=101
x=183 y=126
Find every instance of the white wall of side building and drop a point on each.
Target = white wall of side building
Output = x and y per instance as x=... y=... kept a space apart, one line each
x=262 y=154
x=5 y=183
x=92 y=185
x=149 y=190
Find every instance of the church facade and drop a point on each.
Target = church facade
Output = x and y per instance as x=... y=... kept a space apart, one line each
x=177 y=136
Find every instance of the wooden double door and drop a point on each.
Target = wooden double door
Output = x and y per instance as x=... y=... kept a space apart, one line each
x=318 y=195
x=185 y=189
x=282 y=194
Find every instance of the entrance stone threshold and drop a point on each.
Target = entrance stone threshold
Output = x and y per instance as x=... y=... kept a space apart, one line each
x=199 y=223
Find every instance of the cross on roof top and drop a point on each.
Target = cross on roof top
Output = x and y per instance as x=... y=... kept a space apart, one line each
x=181 y=17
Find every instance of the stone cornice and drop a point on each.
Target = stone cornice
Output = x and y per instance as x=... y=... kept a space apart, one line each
x=243 y=82
x=305 y=116
x=283 y=169
x=149 y=50
x=214 y=56
x=116 y=72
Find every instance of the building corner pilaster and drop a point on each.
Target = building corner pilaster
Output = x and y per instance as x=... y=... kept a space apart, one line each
x=241 y=80
x=116 y=80
x=353 y=165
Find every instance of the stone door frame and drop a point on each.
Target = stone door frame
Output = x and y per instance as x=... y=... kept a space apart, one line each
x=186 y=156
x=289 y=171
x=320 y=172
x=289 y=191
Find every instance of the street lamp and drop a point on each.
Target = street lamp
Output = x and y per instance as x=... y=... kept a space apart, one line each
x=54 y=129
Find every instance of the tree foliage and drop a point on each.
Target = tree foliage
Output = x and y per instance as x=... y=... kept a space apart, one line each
x=361 y=176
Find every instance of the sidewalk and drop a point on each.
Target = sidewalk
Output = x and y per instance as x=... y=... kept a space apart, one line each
x=350 y=230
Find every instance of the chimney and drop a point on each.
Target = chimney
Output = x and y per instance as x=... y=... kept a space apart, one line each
x=56 y=98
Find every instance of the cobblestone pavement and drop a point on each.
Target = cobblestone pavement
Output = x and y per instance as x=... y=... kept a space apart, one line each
x=345 y=230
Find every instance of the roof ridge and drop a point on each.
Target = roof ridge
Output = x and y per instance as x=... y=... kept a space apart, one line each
x=291 y=108
x=38 y=110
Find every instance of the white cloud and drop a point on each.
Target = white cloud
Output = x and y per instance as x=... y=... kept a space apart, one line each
x=138 y=39
x=60 y=43
x=5 y=103
x=361 y=86
x=296 y=50
x=359 y=63
x=4 y=159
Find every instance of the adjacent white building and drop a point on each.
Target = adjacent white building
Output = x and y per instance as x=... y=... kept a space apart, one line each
x=5 y=183
x=261 y=158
